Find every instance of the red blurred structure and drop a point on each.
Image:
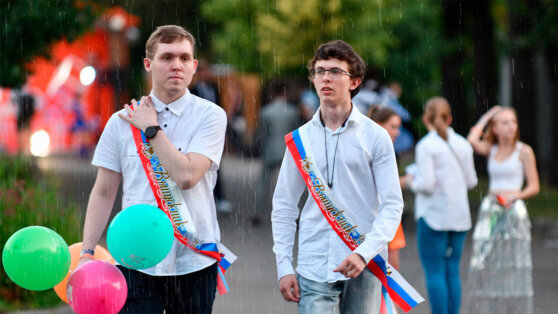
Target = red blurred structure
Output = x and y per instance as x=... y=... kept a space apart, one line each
x=71 y=110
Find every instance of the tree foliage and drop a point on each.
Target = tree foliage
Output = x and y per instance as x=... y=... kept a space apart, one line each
x=271 y=36
x=398 y=41
x=30 y=27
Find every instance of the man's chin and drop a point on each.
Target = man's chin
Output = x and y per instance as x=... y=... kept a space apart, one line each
x=176 y=88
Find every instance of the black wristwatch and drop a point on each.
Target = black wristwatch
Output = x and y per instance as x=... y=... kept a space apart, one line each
x=151 y=131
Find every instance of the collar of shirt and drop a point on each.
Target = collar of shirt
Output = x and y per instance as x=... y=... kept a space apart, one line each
x=176 y=107
x=366 y=183
x=355 y=117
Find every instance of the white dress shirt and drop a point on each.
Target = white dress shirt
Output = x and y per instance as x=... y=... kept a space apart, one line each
x=365 y=182
x=441 y=181
x=192 y=124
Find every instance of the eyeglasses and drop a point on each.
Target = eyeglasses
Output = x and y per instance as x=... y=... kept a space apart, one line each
x=334 y=73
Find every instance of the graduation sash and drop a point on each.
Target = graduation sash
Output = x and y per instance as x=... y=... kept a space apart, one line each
x=171 y=202
x=393 y=284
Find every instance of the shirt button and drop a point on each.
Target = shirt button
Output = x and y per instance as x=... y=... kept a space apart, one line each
x=165 y=125
x=179 y=149
x=167 y=108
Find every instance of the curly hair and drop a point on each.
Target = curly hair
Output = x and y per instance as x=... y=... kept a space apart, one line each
x=340 y=50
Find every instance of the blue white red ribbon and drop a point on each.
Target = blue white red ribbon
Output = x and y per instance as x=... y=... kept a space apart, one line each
x=172 y=204
x=398 y=289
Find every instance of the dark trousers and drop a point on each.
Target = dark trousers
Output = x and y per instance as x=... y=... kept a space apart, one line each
x=190 y=293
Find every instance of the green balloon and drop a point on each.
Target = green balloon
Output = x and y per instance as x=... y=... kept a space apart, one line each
x=36 y=258
x=140 y=236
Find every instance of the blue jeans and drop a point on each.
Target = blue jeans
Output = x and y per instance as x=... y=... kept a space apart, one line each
x=359 y=295
x=440 y=253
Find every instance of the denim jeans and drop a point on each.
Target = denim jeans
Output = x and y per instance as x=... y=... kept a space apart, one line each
x=440 y=253
x=359 y=295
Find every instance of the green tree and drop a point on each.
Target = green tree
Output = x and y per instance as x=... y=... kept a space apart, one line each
x=30 y=27
x=398 y=41
x=235 y=41
x=274 y=36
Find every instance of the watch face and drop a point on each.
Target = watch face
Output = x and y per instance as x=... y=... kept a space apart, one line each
x=150 y=132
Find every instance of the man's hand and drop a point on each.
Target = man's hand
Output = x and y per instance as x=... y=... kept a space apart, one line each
x=351 y=266
x=288 y=285
x=83 y=260
x=143 y=114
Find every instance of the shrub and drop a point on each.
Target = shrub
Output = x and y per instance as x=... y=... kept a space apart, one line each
x=29 y=198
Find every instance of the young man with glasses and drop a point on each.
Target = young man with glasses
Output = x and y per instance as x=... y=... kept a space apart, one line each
x=348 y=163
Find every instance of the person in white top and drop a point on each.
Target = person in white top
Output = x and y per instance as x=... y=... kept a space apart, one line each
x=444 y=172
x=357 y=159
x=389 y=120
x=188 y=138
x=500 y=275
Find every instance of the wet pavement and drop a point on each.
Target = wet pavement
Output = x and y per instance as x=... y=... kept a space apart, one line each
x=253 y=280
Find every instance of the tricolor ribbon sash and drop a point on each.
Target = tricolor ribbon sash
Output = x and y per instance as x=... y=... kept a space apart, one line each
x=171 y=202
x=400 y=291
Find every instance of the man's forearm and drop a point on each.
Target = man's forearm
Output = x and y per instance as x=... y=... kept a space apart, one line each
x=96 y=218
x=176 y=164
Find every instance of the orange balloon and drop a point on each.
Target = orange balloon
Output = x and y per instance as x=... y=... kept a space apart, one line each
x=101 y=254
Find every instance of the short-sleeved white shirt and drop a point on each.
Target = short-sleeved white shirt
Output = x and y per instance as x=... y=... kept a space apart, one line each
x=192 y=124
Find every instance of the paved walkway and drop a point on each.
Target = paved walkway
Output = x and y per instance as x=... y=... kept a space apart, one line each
x=252 y=278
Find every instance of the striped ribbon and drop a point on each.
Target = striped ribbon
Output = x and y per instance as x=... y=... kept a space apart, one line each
x=159 y=180
x=398 y=289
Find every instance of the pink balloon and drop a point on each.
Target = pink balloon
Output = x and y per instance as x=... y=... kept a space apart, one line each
x=97 y=287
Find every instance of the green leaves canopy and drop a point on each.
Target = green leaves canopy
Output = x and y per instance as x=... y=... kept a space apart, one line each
x=270 y=36
x=30 y=27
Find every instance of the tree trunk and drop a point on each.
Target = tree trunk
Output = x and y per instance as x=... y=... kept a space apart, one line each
x=552 y=70
x=522 y=80
x=485 y=86
x=452 y=62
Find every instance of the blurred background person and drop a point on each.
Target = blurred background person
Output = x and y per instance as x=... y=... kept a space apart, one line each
x=389 y=120
x=390 y=95
x=204 y=86
x=444 y=172
x=500 y=275
x=207 y=89
x=26 y=109
x=277 y=118
x=308 y=103
x=372 y=94
x=368 y=96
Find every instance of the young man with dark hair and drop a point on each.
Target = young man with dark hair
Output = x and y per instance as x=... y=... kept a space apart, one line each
x=186 y=134
x=348 y=164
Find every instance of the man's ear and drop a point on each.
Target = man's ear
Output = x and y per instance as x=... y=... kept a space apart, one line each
x=195 y=65
x=355 y=82
x=147 y=64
